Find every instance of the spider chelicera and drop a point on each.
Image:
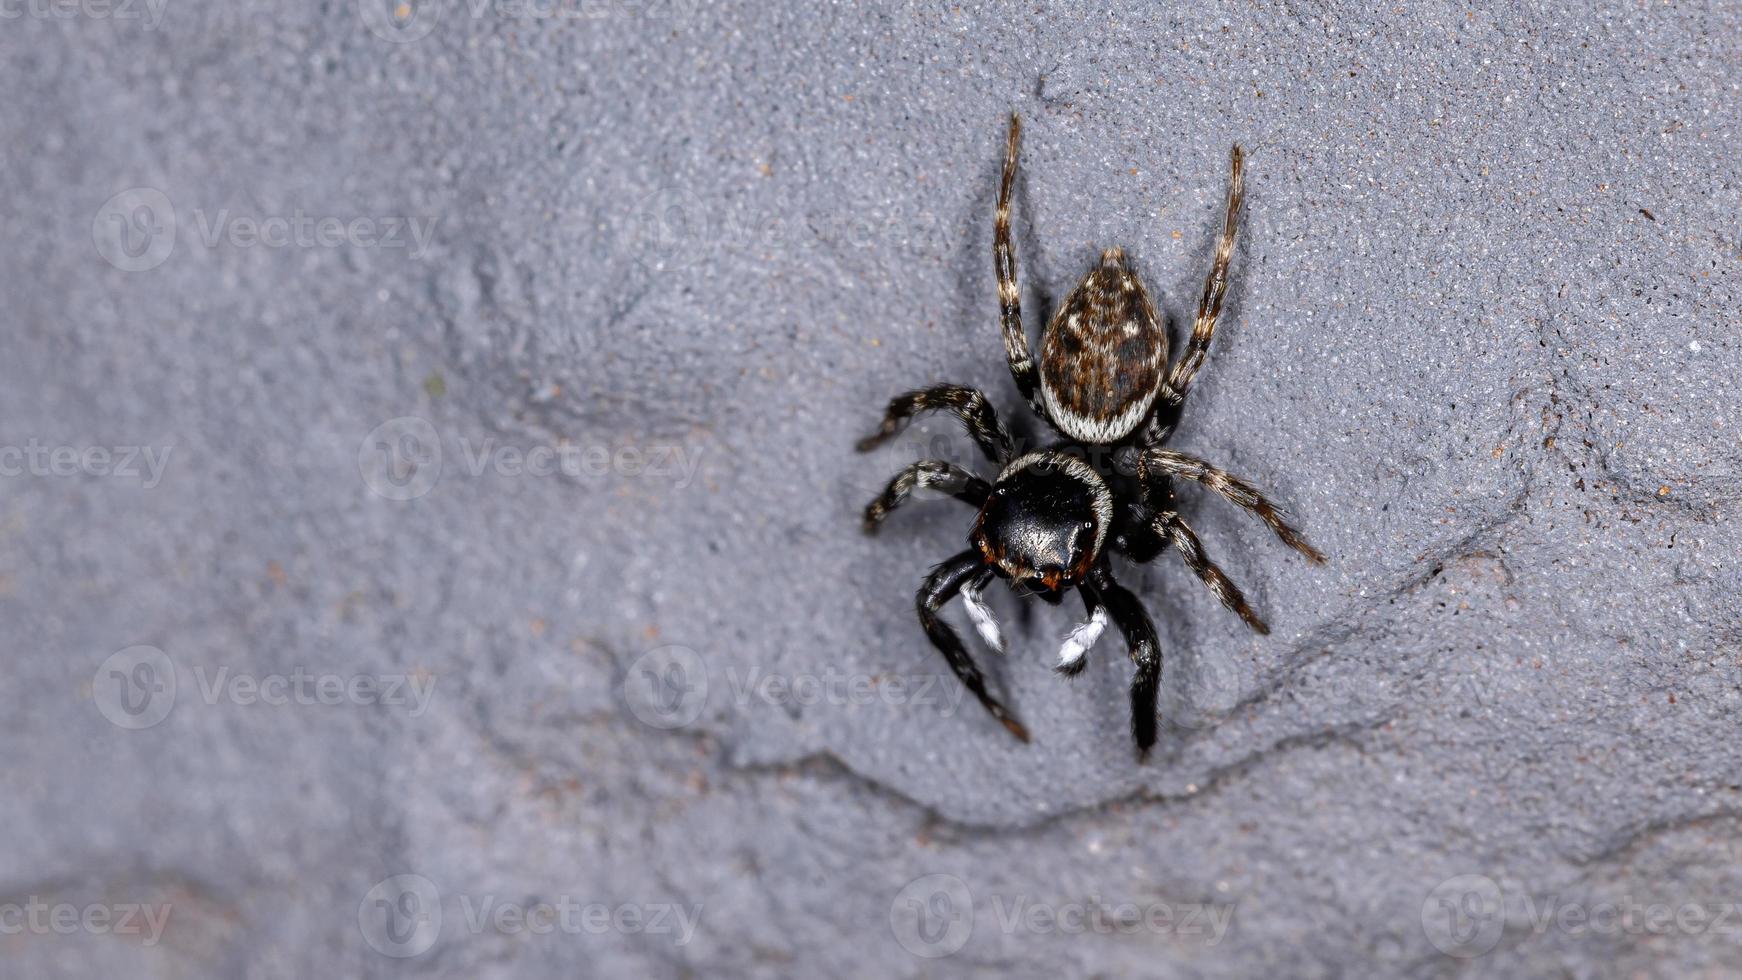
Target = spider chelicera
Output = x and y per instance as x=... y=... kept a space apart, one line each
x=1052 y=518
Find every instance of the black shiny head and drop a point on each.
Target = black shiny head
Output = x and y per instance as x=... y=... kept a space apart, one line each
x=1045 y=522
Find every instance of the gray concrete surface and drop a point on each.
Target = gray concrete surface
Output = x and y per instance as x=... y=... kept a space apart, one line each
x=353 y=281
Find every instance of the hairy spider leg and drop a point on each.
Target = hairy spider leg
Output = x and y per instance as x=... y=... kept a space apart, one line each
x=1009 y=294
x=930 y=474
x=1231 y=488
x=1128 y=614
x=941 y=586
x=1197 y=348
x=970 y=406
x=1191 y=551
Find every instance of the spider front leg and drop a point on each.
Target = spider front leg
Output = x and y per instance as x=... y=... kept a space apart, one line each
x=940 y=587
x=927 y=473
x=970 y=406
x=1185 y=370
x=1128 y=614
x=1009 y=295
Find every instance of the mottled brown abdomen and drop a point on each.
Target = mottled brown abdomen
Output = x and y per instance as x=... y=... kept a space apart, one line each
x=1104 y=355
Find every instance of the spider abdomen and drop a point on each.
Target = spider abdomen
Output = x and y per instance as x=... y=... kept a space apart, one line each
x=1103 y=356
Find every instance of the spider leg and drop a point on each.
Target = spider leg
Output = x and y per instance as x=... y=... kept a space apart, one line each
x=1180 y=377
x=927 y=473
x=940 y=586
x=1128 y=614
x=1232 y=489
x=1009 y=296
x=1180 y=535
x=967 y=404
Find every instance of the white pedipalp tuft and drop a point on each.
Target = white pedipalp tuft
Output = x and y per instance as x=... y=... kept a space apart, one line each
x=1080 y=639
x=981 y=614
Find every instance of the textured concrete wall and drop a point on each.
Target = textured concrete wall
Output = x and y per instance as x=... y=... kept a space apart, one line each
x=475 y=387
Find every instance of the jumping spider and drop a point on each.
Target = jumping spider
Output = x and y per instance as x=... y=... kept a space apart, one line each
x=1052 y=519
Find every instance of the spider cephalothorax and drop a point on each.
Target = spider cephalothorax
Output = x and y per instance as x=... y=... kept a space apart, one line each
x=1045 y=521
x=1052 y=519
